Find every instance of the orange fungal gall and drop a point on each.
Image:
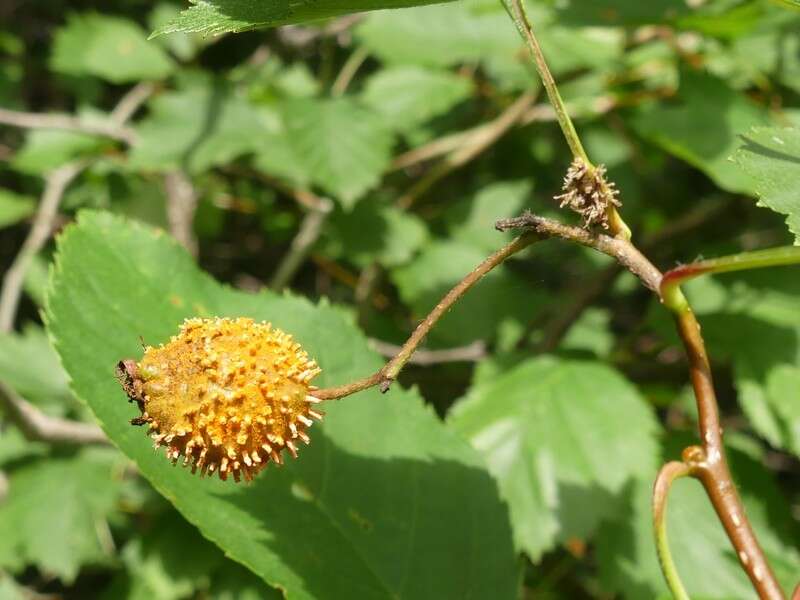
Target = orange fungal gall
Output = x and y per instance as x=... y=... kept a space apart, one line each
x=227 y=395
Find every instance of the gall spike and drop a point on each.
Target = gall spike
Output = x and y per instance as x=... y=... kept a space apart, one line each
x=229 y=395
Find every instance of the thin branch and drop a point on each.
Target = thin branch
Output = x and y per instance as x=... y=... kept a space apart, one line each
x=55 y=186
x=470 y=353
x=37 y=426
x=301 y=245
x=112 y=127
x=29 y=120
x=386 y=375
x=758 y=259
x=585 y=295
x=349 y=70
x=181 y=207
x=622 y=250
x=3 y=486
x=472 y=146
x=666 y=476
x=132 y=101
x=709 y=463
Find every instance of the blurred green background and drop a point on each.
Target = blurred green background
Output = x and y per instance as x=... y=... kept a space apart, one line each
x=364 y=160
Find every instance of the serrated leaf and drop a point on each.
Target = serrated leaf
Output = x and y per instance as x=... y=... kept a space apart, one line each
x=409 y=96
x=551 y=434
x=204 y=125
x=771 y=157
x=47 y=149
x=30 y=366
x=221 y=16
x=453 y=33
x=703 y=128
x=759 y=308
x=383 y=503
x=375 y=232
x=108 y=47
x=157 y=571
x=14 y=207
x=472 y=221
x=336 y=144
x=479 y=31
x=55 y=514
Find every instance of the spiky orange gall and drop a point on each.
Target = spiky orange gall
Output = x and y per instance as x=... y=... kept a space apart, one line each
x=227 y=395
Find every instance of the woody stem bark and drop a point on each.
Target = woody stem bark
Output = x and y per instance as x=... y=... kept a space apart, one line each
x=385 y=376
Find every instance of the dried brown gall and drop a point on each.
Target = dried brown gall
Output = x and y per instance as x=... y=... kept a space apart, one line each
x=227 y=395
x=588 y=193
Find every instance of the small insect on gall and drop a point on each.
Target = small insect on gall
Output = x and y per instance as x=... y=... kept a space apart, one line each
x=228 y=395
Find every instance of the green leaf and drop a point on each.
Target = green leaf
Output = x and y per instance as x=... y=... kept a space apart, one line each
x=409 y=96
x=771 y=157
x=30 y=366
x=55 y=514
x=382 y=496
x=157 y=570
x=480 y=31
x=705 y=559
x=47 y=149
x=111 y=48
x=702 y=129
x=221 y=16
x=14 y=446
x=375 y=232
x=14 y=207
x=755 y=325
x=207 y=124
x=453 y=33
x=472 y=221
x=500 y=295
x=552 y=434
x=336 y=144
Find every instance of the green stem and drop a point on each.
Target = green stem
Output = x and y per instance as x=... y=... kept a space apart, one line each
x=516 y=10
x=773 y=257
x=668 y=474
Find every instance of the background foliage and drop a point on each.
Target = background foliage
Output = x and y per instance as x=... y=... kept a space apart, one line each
x=362 y=161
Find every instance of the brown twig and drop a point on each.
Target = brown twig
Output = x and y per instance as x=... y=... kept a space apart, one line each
x=37 y=426
x=386 y=375
x=306 y=236
x=589 y=291
x=469 y=149
x=131 y=102
x=113 y=127
x=31 y=421
x=181 y=207
x=623 y=251
x=348 y=71
x=470 y=353
x=55 y=186
x=708 y=462
x=29 y=120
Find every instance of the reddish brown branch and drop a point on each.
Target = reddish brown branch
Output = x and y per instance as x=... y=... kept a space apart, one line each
x=385 y=376
x=708 y=463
